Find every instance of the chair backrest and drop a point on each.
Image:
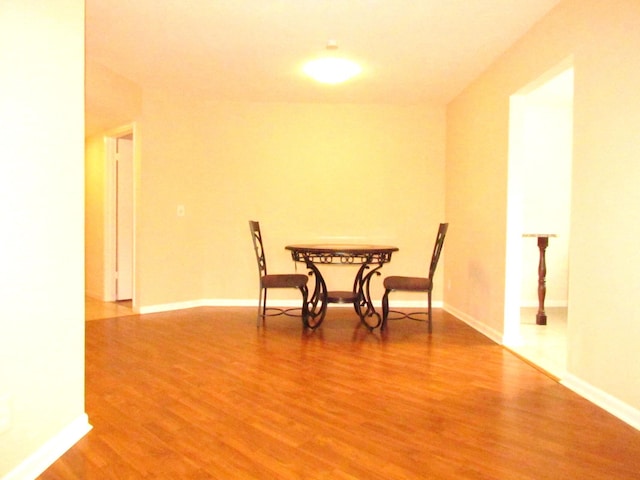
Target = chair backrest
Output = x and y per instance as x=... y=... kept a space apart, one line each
x=442 y=232
x=256 y=236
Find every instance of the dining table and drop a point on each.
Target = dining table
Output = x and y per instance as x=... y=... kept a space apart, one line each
x=368 y=258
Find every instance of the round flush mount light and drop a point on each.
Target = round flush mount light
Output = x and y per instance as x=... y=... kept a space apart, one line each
x=331 y=69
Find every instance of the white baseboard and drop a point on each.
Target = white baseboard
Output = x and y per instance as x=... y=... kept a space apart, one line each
x=168 y=307
x=418 y=304
x=607 y=402
x=217 y=302
x=236 y=302
x=53 y=449
x=475 y=324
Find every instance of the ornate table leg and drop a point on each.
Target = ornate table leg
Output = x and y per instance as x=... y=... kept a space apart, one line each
x=541 y=317
x=363 y=304
x=317 y=302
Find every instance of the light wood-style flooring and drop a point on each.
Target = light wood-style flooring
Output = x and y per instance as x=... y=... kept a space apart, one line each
x=203 y=393
x=98 y=310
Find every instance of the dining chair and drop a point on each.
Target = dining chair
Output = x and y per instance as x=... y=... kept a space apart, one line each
x=414 y=284
x=283 y=280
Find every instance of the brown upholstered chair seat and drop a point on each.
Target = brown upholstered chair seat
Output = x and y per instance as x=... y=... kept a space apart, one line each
x=414 y=284
x=284 y=280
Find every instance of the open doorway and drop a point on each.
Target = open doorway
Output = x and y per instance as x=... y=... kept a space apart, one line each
x=540 y=154
x=119 y=216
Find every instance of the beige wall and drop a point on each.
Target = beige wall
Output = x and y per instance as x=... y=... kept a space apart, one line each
x=604 y=329
x=111 y=100
x=371 y=173
x=95 y=209
x=41 y=213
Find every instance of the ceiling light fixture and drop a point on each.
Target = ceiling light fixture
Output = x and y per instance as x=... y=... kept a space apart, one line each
x=330 y=69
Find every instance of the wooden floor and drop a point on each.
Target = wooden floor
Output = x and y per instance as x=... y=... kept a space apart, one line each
x=202 y=393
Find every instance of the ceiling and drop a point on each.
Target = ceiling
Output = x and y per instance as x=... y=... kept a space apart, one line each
x=412 y=51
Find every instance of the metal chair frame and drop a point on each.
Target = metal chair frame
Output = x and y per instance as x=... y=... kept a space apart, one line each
x=267 y=281
x=414 y=284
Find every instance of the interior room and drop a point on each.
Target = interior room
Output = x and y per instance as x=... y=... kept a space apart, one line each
x=216 y=123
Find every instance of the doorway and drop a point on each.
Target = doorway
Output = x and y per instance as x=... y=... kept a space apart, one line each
x=540 y=154
x=119 y=216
